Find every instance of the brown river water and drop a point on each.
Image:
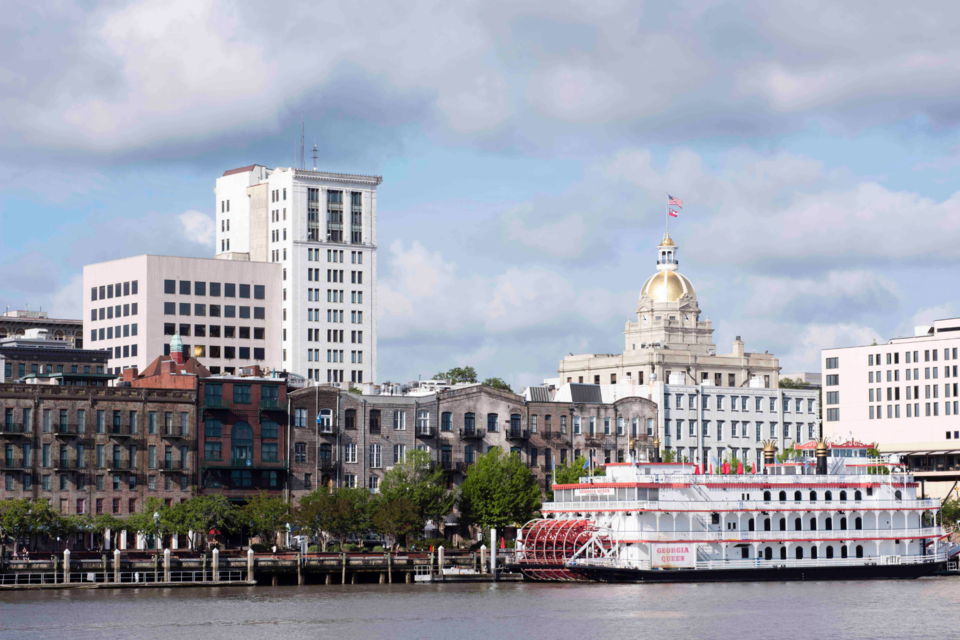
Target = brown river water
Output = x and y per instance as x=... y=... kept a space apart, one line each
x=925 y=608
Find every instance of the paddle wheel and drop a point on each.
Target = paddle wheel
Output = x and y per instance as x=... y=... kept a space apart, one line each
x=549 y=544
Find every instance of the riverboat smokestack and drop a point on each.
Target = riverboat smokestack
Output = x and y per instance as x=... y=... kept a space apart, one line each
x=821 y=456
x=769 y=454
x=656 y=449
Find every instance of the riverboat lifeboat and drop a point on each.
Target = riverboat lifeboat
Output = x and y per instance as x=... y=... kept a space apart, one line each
x=668 y=522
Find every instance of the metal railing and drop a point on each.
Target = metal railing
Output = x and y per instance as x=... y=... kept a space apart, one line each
x=148 y=576
x=426 y=432
x=759 y=563
x=471 y=433
x=270 y=405
x=11 y=428
x=741 y=505
x=517 y=434
x=804 y=534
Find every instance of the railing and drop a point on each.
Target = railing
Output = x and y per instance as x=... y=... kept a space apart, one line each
x=759 y=563
x=10 y=463
x=426 y=432
x=215 y=402
x=147 y=576
x=787 y=483
x=245 y=463
x=172 y=465
x=270 y=405
x=469 y=434
x=118 y=465
x=65 y=430
x=327 y=463
x=121 y=432
x=741 y=505
x=63 y=465
x=11 y=429
x=748 y=536
x=174 y=432
x=517 y=434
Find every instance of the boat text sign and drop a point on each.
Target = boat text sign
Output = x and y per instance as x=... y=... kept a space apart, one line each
x=596 y=491
x=675 y=556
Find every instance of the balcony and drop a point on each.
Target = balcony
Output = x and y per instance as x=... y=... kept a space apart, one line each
x=65 y=430
x=171 y=466
x=426 y=432
x=271 y=405
x=327 y=463
x=121 y=432
x=63 y=466
x=117 y=465
x=215 y=402
x=471 y=434
x=594 y=441
x=11 y=429
x=463 y=466
x=517 y=434
x=173 y=434
x=10 y=463
x=446 y=465
x=243 y=463
x=328 y=429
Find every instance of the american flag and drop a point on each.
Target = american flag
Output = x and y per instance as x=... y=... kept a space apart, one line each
x=676 y=202
x=674 y=213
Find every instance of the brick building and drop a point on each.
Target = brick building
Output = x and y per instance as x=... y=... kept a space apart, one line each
x=18 y=322
x=358 y=438
x=35 y=357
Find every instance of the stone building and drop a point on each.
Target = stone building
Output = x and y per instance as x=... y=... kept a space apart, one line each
x=359 y=437
x=17 y=323
x=34 y=357
x=91 y=450
x=669 y=337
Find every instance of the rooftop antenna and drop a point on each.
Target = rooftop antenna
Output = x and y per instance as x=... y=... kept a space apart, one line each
x=314 y=155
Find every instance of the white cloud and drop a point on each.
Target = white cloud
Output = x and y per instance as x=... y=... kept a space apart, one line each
x=815 y=337
x=563 y=238
x=198 y=227
x=67 y=301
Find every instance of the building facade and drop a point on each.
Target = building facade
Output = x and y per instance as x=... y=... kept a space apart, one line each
x=33 y=357
x=321 y=228
x=17 y=323
x=359 y=438
x=902 y=395
x=669 y=337
x=227 y=312
x=92 y=450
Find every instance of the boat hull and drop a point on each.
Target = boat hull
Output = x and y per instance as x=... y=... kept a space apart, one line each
x=760 y=574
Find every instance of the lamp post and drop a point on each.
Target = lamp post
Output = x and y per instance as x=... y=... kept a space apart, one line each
x=156 y=525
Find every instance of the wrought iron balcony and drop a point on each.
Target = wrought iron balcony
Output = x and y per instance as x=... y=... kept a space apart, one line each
x=215 y=402
x=517 y=434
x=471 y=434
x=426 y=432
x=271 y=405
x=11 y=429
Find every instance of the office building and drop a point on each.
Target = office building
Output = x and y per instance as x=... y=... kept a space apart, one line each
x=226 y=312
x=321 y=229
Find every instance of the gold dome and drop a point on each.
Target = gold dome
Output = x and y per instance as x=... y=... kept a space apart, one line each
x=667 y=241
x=667 y=286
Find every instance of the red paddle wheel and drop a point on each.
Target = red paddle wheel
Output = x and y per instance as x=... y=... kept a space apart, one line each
x=548 y=544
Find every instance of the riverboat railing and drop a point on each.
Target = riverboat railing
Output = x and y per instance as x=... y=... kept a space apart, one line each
x=758 y=563
x=760 y=536
x=775 y=480
x=740 y=505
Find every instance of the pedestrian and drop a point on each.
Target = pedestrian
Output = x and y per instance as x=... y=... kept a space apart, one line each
x=274 y=551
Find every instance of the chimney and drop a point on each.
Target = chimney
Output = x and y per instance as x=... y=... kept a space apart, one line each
x=130 y=374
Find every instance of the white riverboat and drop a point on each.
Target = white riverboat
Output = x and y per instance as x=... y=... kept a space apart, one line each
x=666 y=522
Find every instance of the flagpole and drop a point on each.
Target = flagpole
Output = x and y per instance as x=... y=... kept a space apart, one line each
x=667 y=212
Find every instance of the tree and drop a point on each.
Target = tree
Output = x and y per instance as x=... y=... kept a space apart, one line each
x=423 y=484
x=788 y=454
x=669 y=456
x=396 y=518
x=104 y=522
x=499 y=490
x=458 y=375
x=791 y=383
x=266 y=515
x=144 y=523
x=316 y=512
x=497 y=383
x=351 y=513
x=17 y=520
x=211 y=513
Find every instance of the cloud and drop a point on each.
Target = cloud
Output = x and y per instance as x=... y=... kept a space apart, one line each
x=563 y=239
x=845 y=294
x=198 y=227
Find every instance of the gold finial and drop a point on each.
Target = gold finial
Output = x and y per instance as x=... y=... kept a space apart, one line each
x=769 y=446
x=821 y=446
x=667 y=241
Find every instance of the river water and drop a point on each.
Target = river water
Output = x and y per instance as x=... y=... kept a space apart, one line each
x=925 y=608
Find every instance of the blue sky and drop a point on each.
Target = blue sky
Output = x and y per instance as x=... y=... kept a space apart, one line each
x=525 y=149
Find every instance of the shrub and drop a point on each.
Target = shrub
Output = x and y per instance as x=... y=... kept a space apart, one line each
x=378 y=549
x=351 y=548
x=313 y=548
x=261 y=548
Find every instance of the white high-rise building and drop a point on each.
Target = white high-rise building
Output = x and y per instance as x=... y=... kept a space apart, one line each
x=321 y=228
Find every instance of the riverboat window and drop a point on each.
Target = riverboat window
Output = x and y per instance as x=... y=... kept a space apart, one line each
x=828 y=524
x=813 y=553
x=783 y=496
x=843 y=496
x=796 y=496
x=843 y=523
x=798 y=524
x=766 y=496
x=898 y=495
x=843 y=550
x=858 y=525
x=813 y=496
x=766 y=524
x=858 y=496
x=783 y=524
x=715 y=518
x=828 y=496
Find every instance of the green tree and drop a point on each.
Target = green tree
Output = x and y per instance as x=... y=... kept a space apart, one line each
x=788 y=454
x=212 y=512
x=423 y=484
x=17 y=520
x=267 y=515
x=143 y=522
x=396 y=518
x=669 y=456
x=316 y=512
x=103 y=522
x=791 y=383
x=499 y=490
x=351 y=513
x=497 y=383
x=458 y=375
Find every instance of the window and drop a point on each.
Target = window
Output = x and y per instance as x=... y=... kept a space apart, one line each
x=446 y=421
x=833 y=363
x=269 y=430
x=492 y=423
x=833 y=380
x=833 y=415
x=375 y=457
x=169 y=286
x=399 y=420
x=241 y=393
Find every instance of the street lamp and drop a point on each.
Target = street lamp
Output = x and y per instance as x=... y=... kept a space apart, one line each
x=156 y=524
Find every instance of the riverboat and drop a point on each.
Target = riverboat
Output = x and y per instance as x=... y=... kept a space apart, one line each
x=669 y=522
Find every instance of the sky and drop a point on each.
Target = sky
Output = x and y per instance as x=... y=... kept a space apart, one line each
x=526 y=149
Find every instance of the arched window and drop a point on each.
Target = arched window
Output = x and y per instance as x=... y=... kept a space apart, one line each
x=783 y=496
x=766 y=496
x=843 y=496
x=858 y=524
x=828 y=496
x=828 y=524
x=768 y=554
x=241 y=442
x=783 y=524
x=766 y=524
x=859 y=551
x=797 y=496
x=799 y=553
x=751 y=525
x=898 y=495
x=813 y=553
x=843 y=524
x=813 y=524
x=829 y=552
x=843 y=551
x=813 y=496
x=783 y=553
x=326 y=421
x=858 y=496
x=798 y=524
